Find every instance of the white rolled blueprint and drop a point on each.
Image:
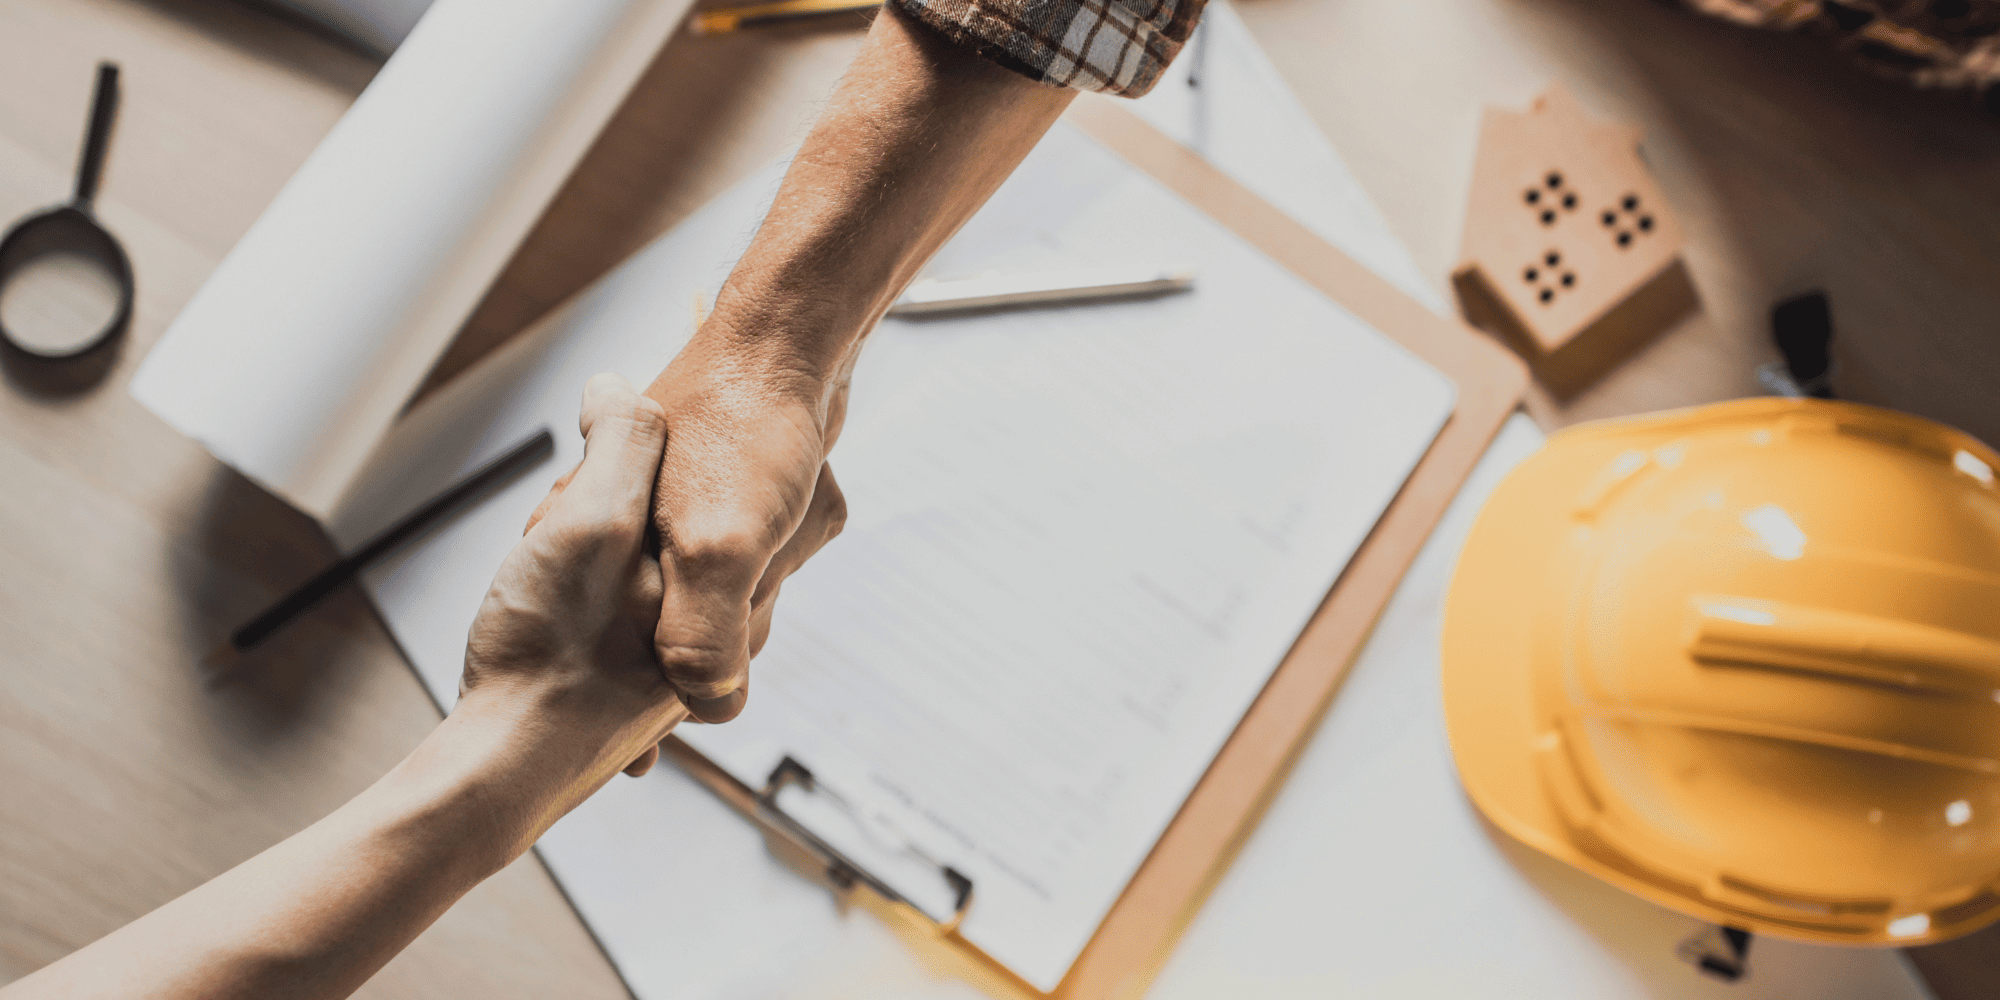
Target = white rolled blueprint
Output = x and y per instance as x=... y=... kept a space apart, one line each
x=298 y=353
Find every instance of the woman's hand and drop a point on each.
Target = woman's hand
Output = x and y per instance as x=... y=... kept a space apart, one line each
x=560 y=692
x=564 y=638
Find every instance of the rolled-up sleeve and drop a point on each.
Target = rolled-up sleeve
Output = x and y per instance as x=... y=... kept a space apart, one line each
x=1116 y=46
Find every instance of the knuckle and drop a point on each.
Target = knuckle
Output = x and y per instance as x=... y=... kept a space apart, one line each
x=632 y=429
x=609 y=402
x=591 y=533
x=721 y=555
x=621 y=530
x=570 y=539
x=648 y=413
x=641 y=421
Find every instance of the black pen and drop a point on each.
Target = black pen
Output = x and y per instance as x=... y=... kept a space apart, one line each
x=518 y=459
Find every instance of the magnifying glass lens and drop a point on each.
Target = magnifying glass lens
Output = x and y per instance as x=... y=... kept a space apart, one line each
x=64 y=284
x=58 y=303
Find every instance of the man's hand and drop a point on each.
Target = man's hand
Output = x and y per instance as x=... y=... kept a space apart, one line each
x=743 y=498
x=914 y=140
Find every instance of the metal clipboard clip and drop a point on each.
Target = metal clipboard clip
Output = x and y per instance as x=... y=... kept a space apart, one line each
x=841 y=870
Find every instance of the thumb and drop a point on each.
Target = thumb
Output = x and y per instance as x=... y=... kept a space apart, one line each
x=703 y=639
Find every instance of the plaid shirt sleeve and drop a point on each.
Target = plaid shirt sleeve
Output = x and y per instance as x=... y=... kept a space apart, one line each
x=1116 y=46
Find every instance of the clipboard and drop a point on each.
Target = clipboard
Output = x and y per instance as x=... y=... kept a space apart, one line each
x=1137 y=935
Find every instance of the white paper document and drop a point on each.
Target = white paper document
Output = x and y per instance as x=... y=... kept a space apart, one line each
x=1080 y=538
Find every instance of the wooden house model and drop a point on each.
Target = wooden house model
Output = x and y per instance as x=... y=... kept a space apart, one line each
x=1571 y=253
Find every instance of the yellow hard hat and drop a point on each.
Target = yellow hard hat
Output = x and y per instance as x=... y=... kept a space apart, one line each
x=1744 y=661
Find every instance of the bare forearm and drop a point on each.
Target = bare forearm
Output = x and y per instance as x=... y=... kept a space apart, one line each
x=913 y=142
x=317 y=915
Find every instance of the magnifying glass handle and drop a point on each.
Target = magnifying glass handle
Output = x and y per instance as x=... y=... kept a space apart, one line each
x=103 y=107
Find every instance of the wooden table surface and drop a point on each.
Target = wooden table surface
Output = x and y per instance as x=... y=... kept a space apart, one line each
x=126 y=551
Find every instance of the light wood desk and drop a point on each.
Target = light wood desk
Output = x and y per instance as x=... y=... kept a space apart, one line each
x=126 y=551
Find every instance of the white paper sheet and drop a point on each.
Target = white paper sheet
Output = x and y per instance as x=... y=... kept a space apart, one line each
x=1080 y=538
x=1244 y=120
x=632 y=321
x=298 y=353
x=1079 y=541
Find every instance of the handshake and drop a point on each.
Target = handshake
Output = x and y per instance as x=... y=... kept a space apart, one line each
x=637 y=596
x=645 y=581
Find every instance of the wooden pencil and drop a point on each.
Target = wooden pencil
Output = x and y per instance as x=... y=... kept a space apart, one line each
x=727 y=19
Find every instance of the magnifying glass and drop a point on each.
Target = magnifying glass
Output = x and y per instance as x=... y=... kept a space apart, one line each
x=65 y=283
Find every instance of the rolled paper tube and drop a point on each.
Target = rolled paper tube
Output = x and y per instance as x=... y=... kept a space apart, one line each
x=295 y=357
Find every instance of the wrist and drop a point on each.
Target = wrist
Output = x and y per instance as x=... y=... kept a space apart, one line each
x=504 y=766
x=557 y=742
x=782 y=335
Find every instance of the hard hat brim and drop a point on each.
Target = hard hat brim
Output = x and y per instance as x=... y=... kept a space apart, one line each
x=1513 y=560
x=1525 y=550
